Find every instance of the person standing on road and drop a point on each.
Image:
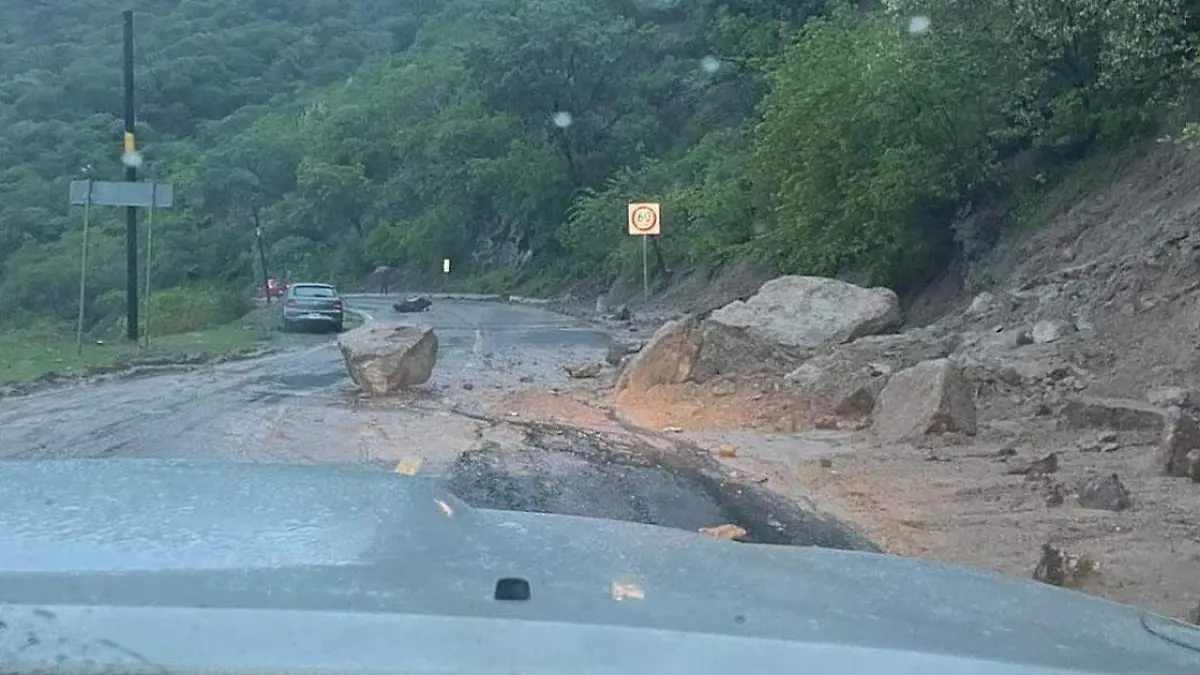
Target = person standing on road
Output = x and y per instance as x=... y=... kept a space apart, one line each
x=384 y=272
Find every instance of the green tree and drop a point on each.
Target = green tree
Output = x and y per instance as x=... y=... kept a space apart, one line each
x=872 y=138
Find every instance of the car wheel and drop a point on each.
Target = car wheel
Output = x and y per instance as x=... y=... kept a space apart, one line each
x=338 y=327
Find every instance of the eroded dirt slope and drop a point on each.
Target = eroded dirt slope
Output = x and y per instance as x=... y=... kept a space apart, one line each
x=1101 y=300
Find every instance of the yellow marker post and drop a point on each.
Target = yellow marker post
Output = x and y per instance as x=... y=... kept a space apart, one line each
x=130 y=144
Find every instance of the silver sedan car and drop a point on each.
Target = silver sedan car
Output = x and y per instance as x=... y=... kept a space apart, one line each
x=312 y=306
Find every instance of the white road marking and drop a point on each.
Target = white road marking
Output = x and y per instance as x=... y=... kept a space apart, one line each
x=366 y=316
x=477 y=348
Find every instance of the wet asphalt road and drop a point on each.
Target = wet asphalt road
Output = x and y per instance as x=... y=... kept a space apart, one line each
x=299 y=407
x=242 y=409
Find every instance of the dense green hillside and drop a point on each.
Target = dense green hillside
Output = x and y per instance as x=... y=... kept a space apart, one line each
x=509 y=134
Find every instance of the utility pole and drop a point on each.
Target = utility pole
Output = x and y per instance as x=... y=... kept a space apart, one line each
x=262 y=257
x=128 y=193
x=83 y=264
x=131 y=229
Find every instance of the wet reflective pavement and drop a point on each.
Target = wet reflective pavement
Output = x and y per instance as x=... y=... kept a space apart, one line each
x=299 y=407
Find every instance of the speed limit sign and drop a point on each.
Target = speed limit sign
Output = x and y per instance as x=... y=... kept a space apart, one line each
x=643 y=219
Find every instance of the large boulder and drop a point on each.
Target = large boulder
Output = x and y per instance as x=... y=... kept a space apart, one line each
x=383 y=359
x=738 y=351
x=1180 y=443
x=932 y=397
x=797 y=311
x=1117 y=414
x=668 y=358
x=847 y=379
x=787 y=321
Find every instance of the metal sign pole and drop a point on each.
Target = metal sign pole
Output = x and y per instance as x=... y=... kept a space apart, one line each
x=87 y=214
x=643 y=221
x=645 y=272
x=89 y=193
x=149 y=239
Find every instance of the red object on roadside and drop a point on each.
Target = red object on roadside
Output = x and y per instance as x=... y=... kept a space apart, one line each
x=276 y=288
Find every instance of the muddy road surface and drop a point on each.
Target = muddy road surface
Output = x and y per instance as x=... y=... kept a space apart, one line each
x=299 y=406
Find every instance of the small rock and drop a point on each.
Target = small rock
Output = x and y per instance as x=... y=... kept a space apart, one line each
x=1024 y=338
x=827 y=423
x=723 y=388
x=805 y=375
x=1044 y=332
x=525 y=379
x=1193 y=615
x=1038 y=467
x=1107 y=493
x=859 y=403
x=1056 y=493
x=584 y=371
x=879 y=369
x=825 y=462
x=622 y=313
x=1103 y=442
x=1168 y=397
x=468 y=386
x=982 y=303
x=1060 y=568
x=725 y=532
x=619 y=349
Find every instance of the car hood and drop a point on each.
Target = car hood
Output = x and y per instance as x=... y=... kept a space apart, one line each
x=164 y=534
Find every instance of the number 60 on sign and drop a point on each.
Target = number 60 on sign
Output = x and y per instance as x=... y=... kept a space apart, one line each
x=643 y=219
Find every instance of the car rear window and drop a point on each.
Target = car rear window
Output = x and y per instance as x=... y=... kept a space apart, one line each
x=313 y=292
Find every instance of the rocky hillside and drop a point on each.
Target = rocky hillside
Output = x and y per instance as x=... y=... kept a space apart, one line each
x=1100 y=300
x=1117 y=270
x=1036 y=414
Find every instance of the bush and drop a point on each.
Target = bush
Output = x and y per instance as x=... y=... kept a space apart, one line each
x=190 y=309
